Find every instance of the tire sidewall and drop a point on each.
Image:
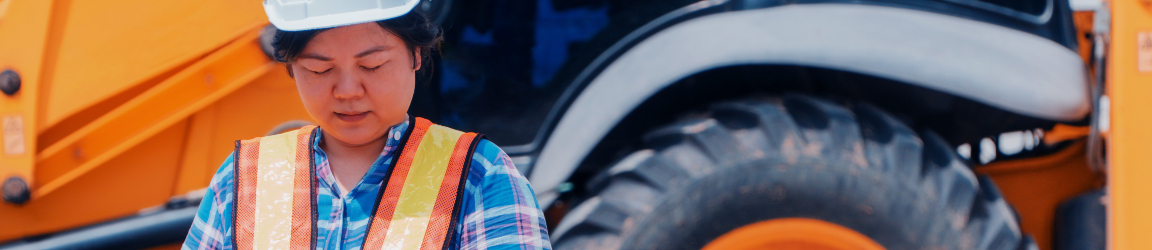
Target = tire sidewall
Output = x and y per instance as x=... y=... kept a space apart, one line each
x=897 y=214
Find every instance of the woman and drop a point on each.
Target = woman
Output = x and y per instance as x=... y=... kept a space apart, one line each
x=366 y=181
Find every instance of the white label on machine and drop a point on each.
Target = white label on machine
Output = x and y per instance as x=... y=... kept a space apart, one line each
x=1144 y=51
x=13 y=135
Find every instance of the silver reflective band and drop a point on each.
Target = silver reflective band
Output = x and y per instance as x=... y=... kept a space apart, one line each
x=296 y=15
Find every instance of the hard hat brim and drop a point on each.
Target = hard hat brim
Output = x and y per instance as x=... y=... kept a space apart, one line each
x=335 y=20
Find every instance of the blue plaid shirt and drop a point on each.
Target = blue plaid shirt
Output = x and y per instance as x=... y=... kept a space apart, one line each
x=498 y=210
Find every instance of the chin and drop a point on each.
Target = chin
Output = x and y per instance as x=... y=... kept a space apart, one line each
x=355 y=136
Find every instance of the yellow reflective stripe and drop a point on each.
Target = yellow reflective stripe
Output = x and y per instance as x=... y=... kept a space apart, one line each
x=418 y=195
x=274 y=186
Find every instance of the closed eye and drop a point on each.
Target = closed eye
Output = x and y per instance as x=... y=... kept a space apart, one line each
x=372 y=68
x=321 y=72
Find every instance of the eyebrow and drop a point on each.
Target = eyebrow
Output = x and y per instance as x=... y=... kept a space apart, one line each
x=371 y=50
x=315 y=56
x=364 y=53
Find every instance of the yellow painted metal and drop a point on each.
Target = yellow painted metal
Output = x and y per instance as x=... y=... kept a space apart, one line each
x=1130 y=137
x=196 y=165
x=138 y=178
x=4 y=8
x=23 y=32
x=167 y=154
x=144 y=99
x=99 y=48
x=172 y=101
x=418 y=196
x=248 y=112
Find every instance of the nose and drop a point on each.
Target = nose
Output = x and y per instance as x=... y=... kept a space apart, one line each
x=349 y=86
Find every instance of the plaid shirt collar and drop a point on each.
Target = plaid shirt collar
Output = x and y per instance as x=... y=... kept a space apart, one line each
x=376 y=172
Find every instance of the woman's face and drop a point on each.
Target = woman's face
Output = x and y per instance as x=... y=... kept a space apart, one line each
x=356 y=81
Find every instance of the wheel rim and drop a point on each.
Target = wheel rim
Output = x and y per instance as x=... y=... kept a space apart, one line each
x=793 y=233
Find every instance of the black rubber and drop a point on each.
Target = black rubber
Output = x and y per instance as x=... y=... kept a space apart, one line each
x=1081 y=222
x=796 y=156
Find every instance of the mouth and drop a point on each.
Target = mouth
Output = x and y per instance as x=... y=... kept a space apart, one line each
x=352 y=117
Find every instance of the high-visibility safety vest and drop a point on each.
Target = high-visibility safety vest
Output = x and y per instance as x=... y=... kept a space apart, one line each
x=416 y=208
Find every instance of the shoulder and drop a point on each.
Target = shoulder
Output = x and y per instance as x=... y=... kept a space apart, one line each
x=223 y=176
x=490 y=164
x=222 y=181
x=501 y=204
x=212 y=224
x=496 y=178
x=491 y=159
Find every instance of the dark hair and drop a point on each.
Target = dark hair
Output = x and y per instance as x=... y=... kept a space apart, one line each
x=415 y=29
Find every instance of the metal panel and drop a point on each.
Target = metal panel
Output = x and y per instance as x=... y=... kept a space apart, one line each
x=99 y=48
x=1130 y=90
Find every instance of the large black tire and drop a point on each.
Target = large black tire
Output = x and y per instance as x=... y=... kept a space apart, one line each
x=797 y=156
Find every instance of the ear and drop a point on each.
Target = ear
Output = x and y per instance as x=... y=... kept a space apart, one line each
x=416 y=58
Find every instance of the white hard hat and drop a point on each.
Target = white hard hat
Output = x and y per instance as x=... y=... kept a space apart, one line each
x=295 y=15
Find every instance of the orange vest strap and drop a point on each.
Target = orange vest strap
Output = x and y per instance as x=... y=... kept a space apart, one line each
x=269 y=212
x=420 y=201
x=416 y=208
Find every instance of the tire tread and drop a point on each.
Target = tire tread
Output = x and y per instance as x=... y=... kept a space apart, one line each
x=790 y=128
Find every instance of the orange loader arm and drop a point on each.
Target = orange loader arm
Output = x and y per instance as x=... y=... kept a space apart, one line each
x=124 y=106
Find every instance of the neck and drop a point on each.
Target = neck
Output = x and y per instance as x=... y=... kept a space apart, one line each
x=333 y=146
x=348 y=162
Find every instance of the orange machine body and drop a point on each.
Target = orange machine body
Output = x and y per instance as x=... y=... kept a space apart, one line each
x=1129 y=137
x=126 y=104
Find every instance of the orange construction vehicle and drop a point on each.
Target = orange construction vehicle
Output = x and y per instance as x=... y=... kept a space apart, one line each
x=685 y=124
